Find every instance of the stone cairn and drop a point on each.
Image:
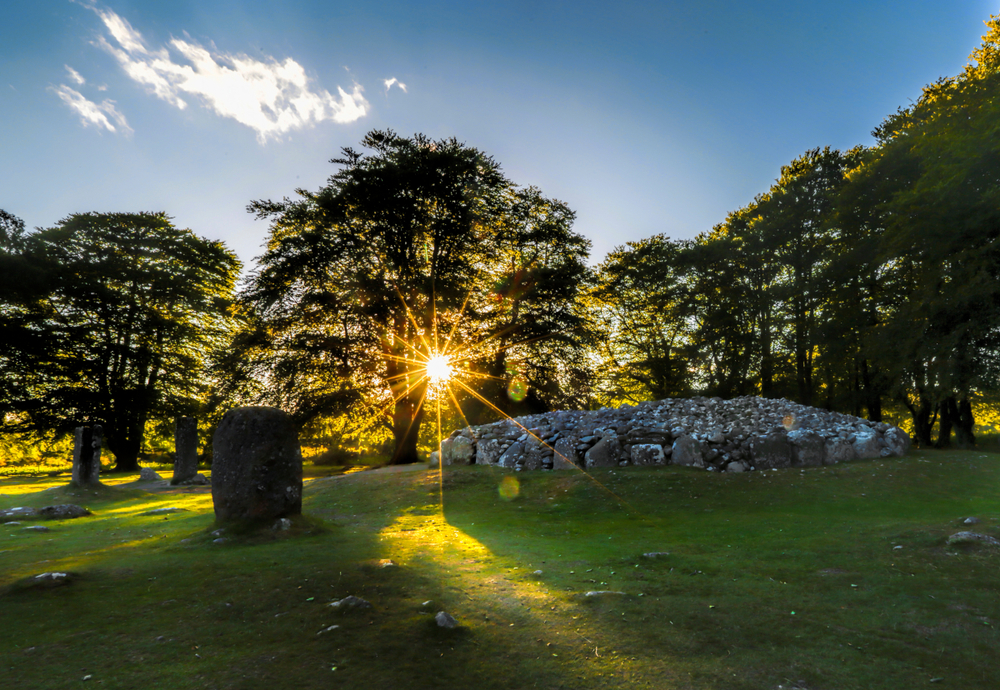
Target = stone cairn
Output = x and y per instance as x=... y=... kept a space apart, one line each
x=257 y=466
x=735 y=435
x=185 y=450
x=87 y=455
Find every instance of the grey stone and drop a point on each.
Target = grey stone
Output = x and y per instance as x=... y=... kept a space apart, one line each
x=897 y=442
x=257 y=466
x=655 y=554
x=445 y=620
x=687 y=451
x=459 y=450
x=185 y=449
x=162 y=511
x=808 y=448
x=970 y=521
x=87 y=455
x=866 y=444
x=350 y=603
x=282 y=525
x=511 y=456
x=488 y=452
x=973 y=538
x=605 y=453
x=148 y=474
x=647 y=454
x=736 y=467
x=435 y=459
x=197 y=480
x=36 y=528
x=63 y=511
x=565 y=457
x=771 y=451
x=604 y=593
x=838 y=450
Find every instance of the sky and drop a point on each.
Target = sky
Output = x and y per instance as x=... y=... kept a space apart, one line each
x=644 y=117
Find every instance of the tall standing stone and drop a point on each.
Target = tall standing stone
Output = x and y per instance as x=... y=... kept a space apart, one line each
x=256 y=466
x=87 y=455
x=185 y=449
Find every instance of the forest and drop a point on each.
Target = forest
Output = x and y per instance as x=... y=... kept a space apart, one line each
x=422 y=289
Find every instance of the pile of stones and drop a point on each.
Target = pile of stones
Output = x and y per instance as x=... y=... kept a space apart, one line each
x=735 y=435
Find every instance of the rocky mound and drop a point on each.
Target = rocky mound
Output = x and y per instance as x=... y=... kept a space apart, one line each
x=721 y=435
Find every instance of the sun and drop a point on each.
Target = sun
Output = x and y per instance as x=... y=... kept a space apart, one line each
x=439 y=369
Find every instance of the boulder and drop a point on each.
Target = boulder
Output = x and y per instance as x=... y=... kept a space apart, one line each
x=565 y=457
x=511 y=456
x=838 y=450
x=896 y=441
x=148 y=474
x=647 y=454
x=771 y=451
x=687 y=451
x=808 y=448
x=458 y=450
x=736 y=467
x=605 y=453
x=866 y=444
x=257 y=466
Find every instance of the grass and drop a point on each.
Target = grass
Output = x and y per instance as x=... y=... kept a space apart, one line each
x=787 y=579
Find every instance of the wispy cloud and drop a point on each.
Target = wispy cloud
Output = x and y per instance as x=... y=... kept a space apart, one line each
x=104 y=115
x=75 y=76
x=389 y=83
x=269 y=96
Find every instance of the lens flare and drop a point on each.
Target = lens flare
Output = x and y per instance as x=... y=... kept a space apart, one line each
x=509 y=488
x=439 y=369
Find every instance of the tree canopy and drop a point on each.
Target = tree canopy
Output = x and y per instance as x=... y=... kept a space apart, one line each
x=117 y=328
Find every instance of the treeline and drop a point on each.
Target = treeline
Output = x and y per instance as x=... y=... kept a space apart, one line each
x=861 y=281
x=860 y=278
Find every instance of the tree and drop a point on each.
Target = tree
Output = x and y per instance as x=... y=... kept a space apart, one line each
x=130 y=311
x=394 y=263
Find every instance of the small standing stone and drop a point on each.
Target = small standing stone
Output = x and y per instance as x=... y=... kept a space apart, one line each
x=185 y=449
x=87 y=455
x=445 y=620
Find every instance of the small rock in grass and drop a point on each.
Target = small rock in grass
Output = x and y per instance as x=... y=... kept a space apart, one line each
x=54 y=577
x=13 y=524
x=427 y=603
x=603 y=593
x=970 y=521
x=537 y=572
x=220 y=540
x=282 y=525
x=326 y=630
x=65 y=511
x=445 y=620
x=349 y=603
x=386 y=563
x=162 y=511
x=36 y=528
x=971 y=538
x=656 y=554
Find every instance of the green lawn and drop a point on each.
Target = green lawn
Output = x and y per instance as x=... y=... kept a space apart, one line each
x=787 y=579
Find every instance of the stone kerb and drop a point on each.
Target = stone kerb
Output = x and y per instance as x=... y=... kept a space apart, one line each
x=257 y=466
x=735 y=435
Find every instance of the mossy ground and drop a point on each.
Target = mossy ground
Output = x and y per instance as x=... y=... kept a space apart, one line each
x=777 y=579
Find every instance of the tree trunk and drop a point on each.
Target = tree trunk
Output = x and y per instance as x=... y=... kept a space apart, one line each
x=407 y=417
x=964 y=437
x=923 y=422
x=949 y=416
x=873 y=401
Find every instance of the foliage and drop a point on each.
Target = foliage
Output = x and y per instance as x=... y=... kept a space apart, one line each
x=118 y=329
x=414 y=249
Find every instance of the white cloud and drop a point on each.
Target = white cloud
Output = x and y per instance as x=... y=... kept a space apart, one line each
x=389 y=83
x=75 y=76
x=104 y=115
x=268 y=96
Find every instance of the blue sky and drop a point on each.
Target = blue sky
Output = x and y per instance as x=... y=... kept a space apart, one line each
x=643 y=117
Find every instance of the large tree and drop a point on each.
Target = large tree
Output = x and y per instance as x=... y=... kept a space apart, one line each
x=118 y=329
x=413 y=250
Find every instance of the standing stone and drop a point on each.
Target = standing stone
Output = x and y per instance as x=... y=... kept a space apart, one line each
x=605 y=453
x=647 y=454
x=87 y=455
x=687 y=451
x=185 y=449
x=257 y=466
x=565 y=457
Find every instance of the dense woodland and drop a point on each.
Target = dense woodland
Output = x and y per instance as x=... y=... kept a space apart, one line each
x=862 y=281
